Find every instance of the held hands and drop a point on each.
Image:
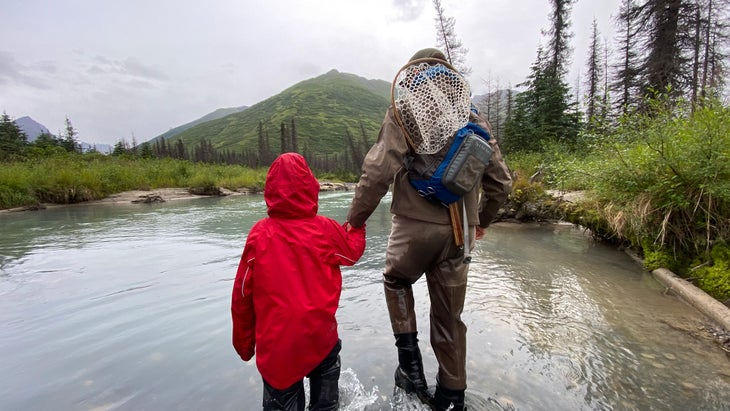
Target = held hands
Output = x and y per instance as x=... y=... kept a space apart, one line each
x=480 y=233
x=349 y=227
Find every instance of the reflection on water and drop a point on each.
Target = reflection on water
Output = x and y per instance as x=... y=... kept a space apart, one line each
x=127 y=308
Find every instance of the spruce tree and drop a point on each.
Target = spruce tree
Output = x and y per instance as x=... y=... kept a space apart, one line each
x=294 y=137
x=447 y=40
x=180 y=151
x=12 y=138
x=543 y=113
x=716 y=44
x=627 y=70
x=559 y=36
x=46 y=140
x=662 y=66
x=68 y=141
x=284 y=137
x=594 y=73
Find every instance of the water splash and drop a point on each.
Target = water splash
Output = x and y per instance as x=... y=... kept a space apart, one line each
x=355 y=397
x=402 y=401
x=353 y=394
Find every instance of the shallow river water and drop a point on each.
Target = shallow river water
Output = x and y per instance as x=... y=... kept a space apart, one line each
x=126 y=307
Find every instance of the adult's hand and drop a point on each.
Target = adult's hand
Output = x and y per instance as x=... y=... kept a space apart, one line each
x=480 y=233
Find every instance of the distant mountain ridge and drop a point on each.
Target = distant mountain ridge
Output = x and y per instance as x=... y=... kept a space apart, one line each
x=324 y=109
x=31 y=128
x=220 y=113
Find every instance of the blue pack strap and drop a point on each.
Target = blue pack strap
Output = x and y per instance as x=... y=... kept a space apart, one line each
x=474 y=128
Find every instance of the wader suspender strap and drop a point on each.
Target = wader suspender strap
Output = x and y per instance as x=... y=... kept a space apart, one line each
x=467 y=252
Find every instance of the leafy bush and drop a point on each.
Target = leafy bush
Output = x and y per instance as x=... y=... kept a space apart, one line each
x=524 y=164
x=524 y=192
x=670 y=183
x=559 y=169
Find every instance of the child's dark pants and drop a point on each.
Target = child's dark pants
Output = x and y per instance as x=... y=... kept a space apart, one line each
x=323 y=388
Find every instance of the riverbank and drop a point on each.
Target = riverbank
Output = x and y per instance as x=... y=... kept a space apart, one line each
x=162 y=195
x=172 y=194
x=554 y=206
x=717 y=312
x=128 y=197
x=691 y=295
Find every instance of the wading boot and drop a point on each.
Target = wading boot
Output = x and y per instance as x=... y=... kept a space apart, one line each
x=445 y=398
x=409 y=374
x=323 y=382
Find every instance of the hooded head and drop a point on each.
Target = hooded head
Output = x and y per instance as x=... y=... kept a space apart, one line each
x=291 y=189
x=429 y=53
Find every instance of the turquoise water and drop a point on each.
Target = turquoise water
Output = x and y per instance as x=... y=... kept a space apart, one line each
x=126 y=307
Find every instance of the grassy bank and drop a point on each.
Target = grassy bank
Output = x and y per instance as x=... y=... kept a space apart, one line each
x=71 y=177
x=659 y=183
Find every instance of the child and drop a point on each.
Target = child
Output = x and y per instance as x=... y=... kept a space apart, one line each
x=287 y=290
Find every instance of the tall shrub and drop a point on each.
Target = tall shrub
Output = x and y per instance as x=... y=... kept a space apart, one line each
x=667 y=179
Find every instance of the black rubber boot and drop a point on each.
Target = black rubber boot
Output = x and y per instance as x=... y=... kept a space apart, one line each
x=409 y=374
x=445 y=398
x=289 y=399
x=323 y=382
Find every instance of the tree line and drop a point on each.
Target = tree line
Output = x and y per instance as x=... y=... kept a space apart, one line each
x=675 y=50
x=14 y=144
x=348 y=160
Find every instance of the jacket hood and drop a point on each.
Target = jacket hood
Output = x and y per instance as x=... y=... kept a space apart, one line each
x=291 y=189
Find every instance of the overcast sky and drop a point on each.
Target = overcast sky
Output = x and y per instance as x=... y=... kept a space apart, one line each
x=136 y=68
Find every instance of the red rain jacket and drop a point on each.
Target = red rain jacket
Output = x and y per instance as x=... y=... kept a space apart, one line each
x=288 y=283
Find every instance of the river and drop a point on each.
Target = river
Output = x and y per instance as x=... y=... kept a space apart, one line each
x=127 y=307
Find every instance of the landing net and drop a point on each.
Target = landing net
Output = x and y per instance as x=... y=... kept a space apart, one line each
x=431 y=101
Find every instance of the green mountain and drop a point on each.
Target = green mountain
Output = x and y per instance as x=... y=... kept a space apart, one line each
x=323 y=109
x=220 y=113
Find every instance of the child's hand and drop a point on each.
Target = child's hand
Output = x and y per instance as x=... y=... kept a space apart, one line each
x=480 y=232
x=349 y=227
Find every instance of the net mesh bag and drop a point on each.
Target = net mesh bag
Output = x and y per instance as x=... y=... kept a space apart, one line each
x=431 y=101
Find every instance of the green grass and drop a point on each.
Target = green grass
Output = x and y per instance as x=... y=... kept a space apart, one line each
x=73 y=178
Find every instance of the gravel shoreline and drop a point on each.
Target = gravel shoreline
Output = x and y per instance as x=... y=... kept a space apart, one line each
x=161 y=195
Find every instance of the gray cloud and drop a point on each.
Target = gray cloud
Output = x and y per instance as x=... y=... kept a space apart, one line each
x=129 y=71
x=102 y=60
x=408 y=10
x=135 y=68
x=13 y=72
